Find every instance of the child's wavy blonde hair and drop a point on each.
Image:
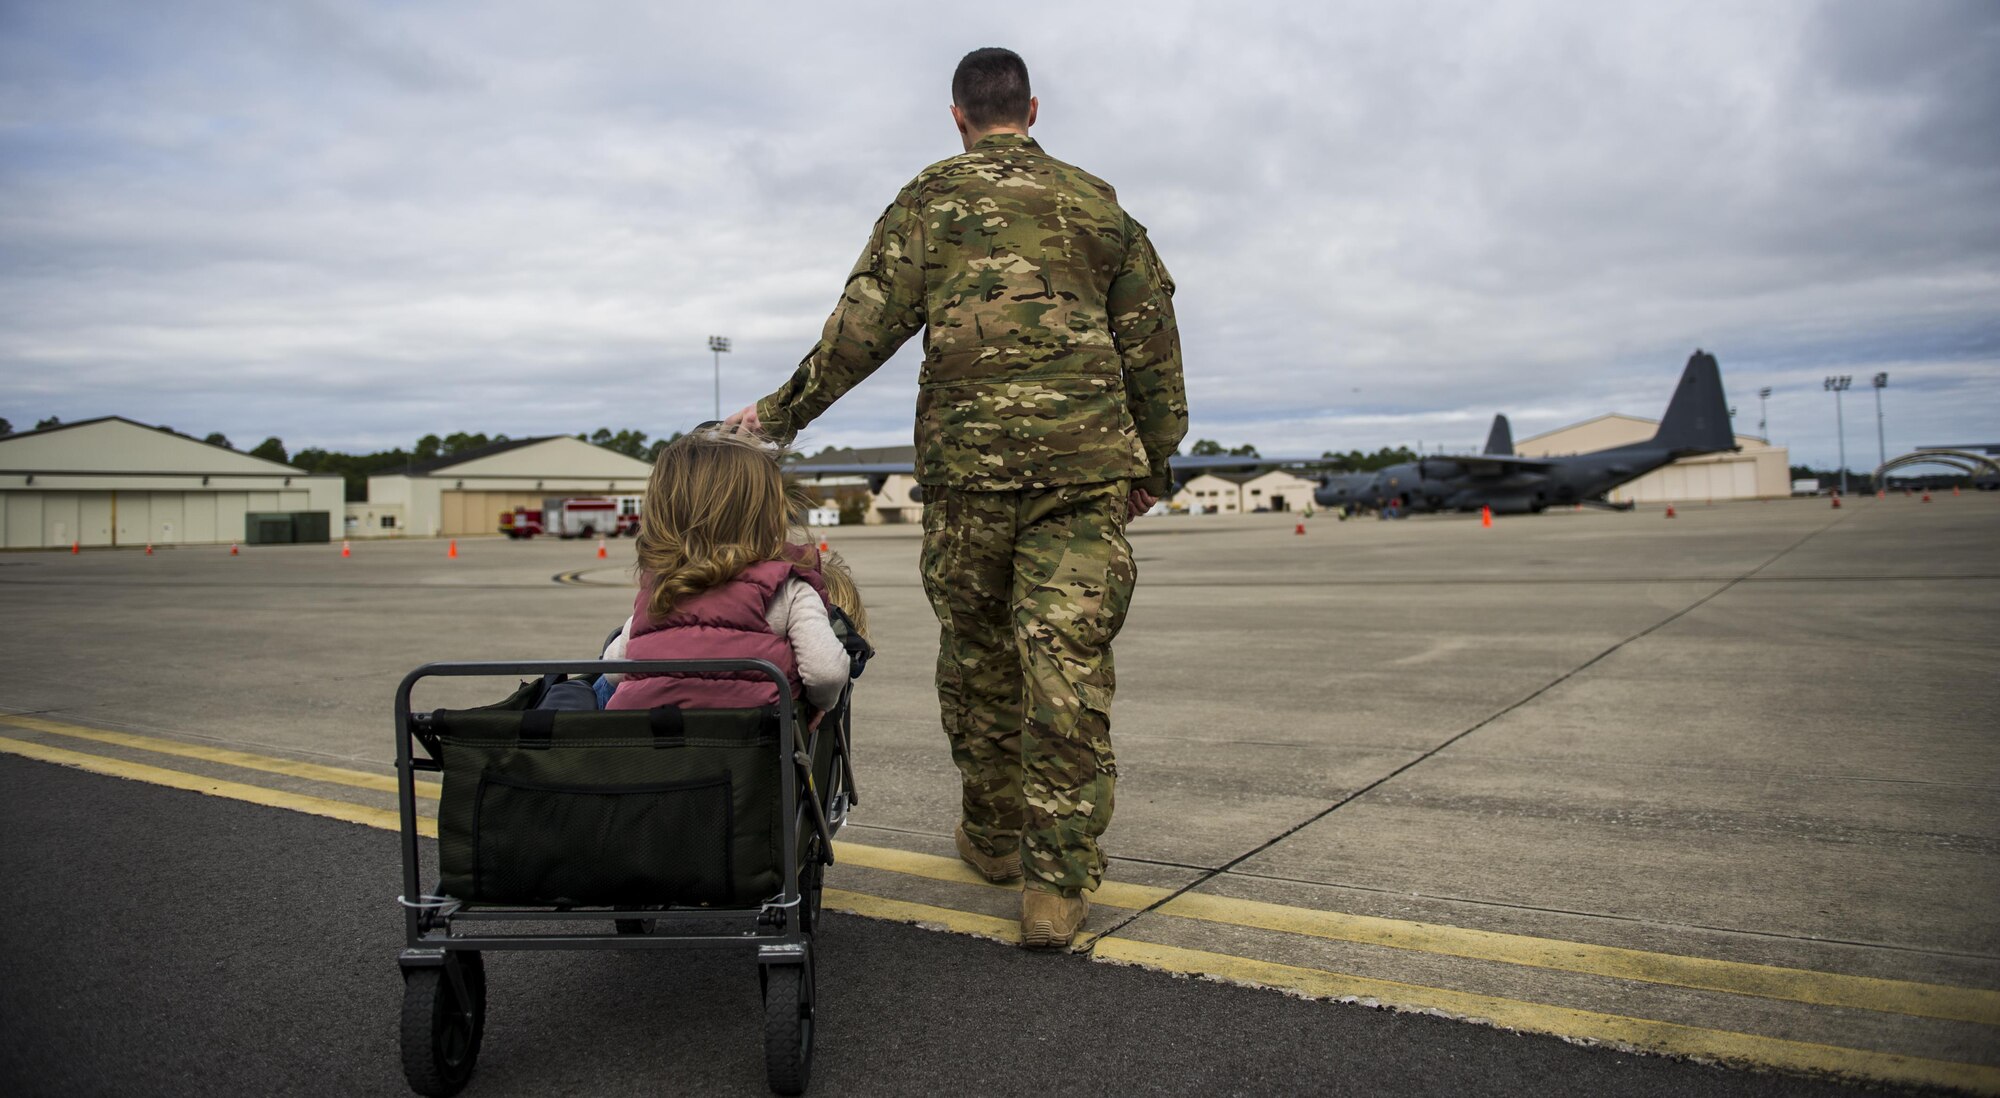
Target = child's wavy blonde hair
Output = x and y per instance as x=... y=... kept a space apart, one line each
x=716 y=504
x=841 y=591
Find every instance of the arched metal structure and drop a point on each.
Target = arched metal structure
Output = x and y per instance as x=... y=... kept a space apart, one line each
x=1963 y=460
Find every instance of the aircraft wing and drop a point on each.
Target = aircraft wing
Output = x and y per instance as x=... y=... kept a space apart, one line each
x=1234 y=461
x=1494 y=465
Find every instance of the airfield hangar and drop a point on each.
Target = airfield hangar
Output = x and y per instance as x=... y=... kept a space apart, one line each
x=466 y=493
x=1758 y=470
x=1244 y=493
x=112 y=481
x=895 y=500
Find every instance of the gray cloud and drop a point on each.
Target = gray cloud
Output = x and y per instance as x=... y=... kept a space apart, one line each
x=350 y=226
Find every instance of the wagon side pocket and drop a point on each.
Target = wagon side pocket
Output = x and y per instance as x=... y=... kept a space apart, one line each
x=545 y=843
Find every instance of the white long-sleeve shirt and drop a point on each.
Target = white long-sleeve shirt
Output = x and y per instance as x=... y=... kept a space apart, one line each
x=798 y=615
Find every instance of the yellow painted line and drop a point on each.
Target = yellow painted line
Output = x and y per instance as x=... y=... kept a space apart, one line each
x=236 y=791
x=937 y=868
x=1643 y=1034
x=1732 y=977
x=359 y=779
x=1961 y=1004
x=903 y=911
x=1700 y=973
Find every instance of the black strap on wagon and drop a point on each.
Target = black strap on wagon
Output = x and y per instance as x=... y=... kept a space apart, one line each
x=669 y=726
x=538 y=729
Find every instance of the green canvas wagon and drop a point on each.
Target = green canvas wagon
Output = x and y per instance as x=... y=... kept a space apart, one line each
x=621 y=829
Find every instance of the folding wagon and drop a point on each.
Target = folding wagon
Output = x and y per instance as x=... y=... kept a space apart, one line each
x=622 y=829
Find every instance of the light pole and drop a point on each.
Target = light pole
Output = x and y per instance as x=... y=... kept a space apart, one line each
x=1881 y=443
x=717 y=345
x=1838 y=385
x=1763 y=395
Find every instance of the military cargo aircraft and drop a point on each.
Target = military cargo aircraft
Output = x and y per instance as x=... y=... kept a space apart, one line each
x=1696 y=422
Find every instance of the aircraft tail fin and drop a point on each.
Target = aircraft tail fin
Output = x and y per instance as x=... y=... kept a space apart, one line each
x=1697 y=419
x=1501 y=440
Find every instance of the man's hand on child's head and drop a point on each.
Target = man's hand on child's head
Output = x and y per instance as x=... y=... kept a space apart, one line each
x=745 y=420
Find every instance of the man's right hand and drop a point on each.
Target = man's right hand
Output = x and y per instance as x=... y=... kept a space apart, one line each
x=746 y=420
x=1140 y=502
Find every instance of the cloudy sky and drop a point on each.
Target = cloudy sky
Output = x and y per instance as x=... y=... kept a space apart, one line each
x=350 y=224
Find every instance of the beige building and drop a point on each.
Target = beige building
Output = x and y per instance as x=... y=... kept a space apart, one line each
x=1210 y=494
x=113 y=481
x=1244 y=493
x=1278 y=490
x=465 y=494
x=892 y=497
x=376 y=520
x=1758 y=470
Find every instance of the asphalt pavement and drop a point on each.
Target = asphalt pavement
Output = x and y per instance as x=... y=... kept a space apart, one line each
x=1719 y=787
x=163 y=942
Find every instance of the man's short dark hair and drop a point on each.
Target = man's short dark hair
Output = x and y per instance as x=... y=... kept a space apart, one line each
x=991 y=87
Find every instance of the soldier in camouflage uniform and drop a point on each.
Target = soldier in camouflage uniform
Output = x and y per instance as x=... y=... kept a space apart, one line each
x=1049 y=402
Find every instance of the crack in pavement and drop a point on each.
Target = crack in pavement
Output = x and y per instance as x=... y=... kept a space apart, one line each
x=1456 y=737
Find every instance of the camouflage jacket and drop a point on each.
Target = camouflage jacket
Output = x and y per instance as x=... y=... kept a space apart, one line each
x=1050 y=352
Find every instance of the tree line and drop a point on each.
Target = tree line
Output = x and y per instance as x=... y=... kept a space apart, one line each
x=1353 y=461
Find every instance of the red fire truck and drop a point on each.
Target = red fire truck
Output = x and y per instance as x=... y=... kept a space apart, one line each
x=520 y=523
x=588 y=517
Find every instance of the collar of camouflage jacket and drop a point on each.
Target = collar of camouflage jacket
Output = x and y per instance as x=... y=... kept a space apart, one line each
x=1006 y=141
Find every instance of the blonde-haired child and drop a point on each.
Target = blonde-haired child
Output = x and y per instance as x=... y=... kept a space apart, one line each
x=841 y=591
x=718 y=579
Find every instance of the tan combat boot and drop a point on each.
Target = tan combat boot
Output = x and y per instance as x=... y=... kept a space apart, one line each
x=996 y=868
x=1049 y=921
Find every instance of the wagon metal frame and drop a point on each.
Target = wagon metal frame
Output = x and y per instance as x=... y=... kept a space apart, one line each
x=444 y=976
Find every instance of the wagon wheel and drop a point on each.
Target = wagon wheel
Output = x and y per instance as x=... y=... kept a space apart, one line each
x=788 y=1026
x=440 y=1034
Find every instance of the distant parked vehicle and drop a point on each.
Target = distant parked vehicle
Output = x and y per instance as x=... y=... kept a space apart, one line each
x=520 y=523
x=587 y=517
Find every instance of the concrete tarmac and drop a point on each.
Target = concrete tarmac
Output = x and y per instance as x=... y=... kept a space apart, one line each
x=1722 y=785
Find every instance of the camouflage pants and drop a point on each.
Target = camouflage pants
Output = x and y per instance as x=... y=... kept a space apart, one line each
x=1030 y=587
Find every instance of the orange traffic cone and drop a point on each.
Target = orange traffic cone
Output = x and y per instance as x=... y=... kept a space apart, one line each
x=601 y=553
x=1486 y=516
x=75 y=547
x=1954 y=489
x=1927 y=497
x=1836 y=501
x=822 y=544
x=1300 y=529
x=232 y=550
x=149 y=548
x=346 y=550
x=452 y=553
x=1670 y=510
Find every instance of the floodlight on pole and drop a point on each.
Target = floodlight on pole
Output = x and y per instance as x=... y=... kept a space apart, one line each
x=1881 y=440
x=1838 y=384
x=717 y=345
x=1763 y=395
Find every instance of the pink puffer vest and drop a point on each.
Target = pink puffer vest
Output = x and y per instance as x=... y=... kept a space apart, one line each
x=724 y=622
